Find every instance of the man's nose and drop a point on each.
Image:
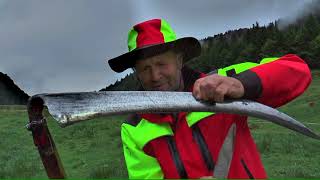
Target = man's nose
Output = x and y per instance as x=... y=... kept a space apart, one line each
x=155 y=74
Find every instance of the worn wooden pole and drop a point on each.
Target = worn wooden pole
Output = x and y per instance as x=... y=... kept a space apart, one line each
x=43 y=140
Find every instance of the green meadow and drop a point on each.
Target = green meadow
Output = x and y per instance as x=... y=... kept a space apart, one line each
x=93 y=149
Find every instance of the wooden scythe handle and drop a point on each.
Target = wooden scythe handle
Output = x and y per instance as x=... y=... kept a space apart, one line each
x=43 y=140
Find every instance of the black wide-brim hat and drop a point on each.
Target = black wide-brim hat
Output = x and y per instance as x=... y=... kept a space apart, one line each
x=151 y=38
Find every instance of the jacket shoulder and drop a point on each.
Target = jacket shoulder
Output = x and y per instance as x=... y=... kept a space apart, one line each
x=133 y=119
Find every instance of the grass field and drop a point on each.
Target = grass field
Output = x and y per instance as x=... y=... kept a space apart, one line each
x=93 y=149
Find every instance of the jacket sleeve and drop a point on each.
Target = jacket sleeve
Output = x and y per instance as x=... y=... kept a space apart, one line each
x=139 y=164
x=277 y=81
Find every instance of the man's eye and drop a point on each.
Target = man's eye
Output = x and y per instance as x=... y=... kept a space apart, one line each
x=145 y=69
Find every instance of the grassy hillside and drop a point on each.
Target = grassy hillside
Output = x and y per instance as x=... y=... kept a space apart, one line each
x=286 y=153
x=90 y=149
x=93 y=149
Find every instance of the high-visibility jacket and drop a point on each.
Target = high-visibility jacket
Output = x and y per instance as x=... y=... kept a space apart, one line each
x=198 y=144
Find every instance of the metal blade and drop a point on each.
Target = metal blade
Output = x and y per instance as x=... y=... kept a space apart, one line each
x=69 y=108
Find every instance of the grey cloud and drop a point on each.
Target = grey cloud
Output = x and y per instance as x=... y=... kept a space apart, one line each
x=56 y=46
x=311 y=6
x=204 y=18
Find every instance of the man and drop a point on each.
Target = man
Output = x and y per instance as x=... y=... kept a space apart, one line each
x=198 y=144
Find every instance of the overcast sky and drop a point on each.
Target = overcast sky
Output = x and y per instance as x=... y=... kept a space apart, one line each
x=63 y=46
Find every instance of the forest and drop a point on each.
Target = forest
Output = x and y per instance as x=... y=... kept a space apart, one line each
x=301 y=37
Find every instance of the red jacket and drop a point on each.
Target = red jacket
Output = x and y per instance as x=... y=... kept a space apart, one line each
x=193 y=151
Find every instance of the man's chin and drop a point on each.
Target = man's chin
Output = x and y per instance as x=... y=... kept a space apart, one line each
x=161 y=88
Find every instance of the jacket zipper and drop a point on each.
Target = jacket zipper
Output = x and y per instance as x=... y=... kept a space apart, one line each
x=176 y=158
x=246 y=169
x=197 y=135
x=174 y=151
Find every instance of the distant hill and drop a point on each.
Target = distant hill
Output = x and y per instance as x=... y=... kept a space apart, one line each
x=301 y=37
x=10 y=93
x=252 y=44
x=128 y=83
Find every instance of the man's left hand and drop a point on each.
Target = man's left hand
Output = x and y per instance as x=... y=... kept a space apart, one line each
x=217 y=88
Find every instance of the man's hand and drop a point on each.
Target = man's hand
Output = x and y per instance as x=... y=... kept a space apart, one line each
x=217 y=88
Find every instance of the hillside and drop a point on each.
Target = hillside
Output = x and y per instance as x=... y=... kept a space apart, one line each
x=93 y=149
x=10 y=93
x=301 y=37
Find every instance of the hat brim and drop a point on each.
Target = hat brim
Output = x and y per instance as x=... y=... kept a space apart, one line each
x=189 y=46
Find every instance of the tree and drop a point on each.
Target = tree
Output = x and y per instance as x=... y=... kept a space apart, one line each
x=248 y=53
x=269 y=48
x=315 y=52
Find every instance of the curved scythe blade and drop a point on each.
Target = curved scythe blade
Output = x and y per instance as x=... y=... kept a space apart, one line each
x=69 y=108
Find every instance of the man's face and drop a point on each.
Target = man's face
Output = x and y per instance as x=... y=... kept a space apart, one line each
x=161 y=72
